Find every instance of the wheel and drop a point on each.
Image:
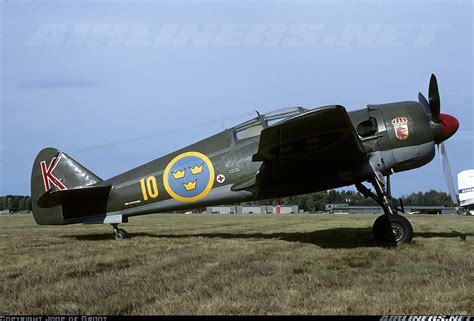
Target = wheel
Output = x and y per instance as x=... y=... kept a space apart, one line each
x=123 y=232
x=393 y=230
x=120 y=234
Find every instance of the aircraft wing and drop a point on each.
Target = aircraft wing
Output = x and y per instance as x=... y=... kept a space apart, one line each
x=324 y=138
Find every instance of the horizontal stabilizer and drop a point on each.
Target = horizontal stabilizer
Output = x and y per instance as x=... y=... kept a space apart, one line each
x=77 y=203
x=74 y=196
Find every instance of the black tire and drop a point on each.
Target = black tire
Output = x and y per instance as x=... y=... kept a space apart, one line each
x=123 y=232
x=120 y=234
x=394 y=230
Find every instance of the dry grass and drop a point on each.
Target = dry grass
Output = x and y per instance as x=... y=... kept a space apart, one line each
x=236 y=264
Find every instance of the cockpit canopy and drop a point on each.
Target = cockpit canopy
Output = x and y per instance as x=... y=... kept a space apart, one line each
x=253 y=127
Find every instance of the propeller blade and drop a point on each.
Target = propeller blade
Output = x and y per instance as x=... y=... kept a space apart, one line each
x=447 y=173
x=433 y=96
x=424 y=102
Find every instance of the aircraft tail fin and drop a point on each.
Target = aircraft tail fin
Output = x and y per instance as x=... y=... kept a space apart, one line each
x=61 y=190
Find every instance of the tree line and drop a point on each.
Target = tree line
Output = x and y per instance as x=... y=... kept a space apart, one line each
x=15 y=203
x=317 y=201
x=311 y=202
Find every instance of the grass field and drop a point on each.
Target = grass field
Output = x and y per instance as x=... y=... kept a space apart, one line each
x=236 y=264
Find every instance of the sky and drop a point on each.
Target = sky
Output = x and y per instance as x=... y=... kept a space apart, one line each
x=115 y=84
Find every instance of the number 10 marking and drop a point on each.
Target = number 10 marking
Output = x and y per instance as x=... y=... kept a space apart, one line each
x=151 y=188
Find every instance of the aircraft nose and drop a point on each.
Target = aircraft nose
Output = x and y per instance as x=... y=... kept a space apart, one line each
x=449 y=126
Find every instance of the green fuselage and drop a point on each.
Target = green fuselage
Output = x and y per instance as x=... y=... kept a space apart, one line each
x=395 y=137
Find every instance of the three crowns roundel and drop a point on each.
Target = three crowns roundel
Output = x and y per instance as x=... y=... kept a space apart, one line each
x=189 y=176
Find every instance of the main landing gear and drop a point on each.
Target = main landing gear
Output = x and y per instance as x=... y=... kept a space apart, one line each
x=390 y=228
x=120 y=233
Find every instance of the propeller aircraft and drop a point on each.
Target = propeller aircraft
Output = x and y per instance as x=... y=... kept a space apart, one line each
x=287 y=152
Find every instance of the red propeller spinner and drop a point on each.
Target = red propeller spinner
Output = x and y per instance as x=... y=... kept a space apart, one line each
x=449 y=126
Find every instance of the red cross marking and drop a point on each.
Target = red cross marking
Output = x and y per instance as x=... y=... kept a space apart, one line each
x=220 y=178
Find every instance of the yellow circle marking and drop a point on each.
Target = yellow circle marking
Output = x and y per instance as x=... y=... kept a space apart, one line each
x=204 y=192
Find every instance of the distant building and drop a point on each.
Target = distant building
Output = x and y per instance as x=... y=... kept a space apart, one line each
x=331 y=206
x=284 y=209
x=347 y=209
x=410 y=209
x=221 y=209
x=252 y=209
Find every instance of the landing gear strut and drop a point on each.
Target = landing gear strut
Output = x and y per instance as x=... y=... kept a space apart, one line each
x=120 y=233
x=390 y=228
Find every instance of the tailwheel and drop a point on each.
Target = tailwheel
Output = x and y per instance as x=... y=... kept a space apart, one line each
x=119 y=233
x=392 y=229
